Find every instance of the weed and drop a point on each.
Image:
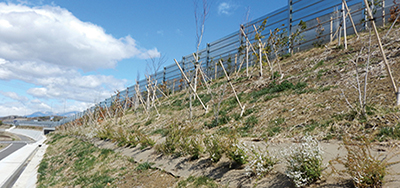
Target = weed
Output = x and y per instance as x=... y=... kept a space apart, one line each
x=181 y=141
x=144 y=166
x=161 y=131
x=251 y=121
x=273 y=130
x=311 y=126
x=320 y=63
x=148 y=122
x=177 y=103
x=204 y=97
x=321 y=72
x=56 y=137
x=326 y=88
x=285 y=56
x=236 y=116
x=249 y=111
x=237 y=152
x=304 y=162
x=277 y=121
x=389 y=132
x=269 y=97
x=214 y=147
x=225 y=131
x=222 y=119
x=42 y=170
x=275 y=75
x=202 y=181
x=261 y=162
x=144 y=140
x=364 y=168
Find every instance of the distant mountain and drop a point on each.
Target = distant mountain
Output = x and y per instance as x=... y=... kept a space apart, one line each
x=47 y=113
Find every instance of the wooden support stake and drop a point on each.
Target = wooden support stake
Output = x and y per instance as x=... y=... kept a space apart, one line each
x=240 y=66
x=344 y=26
x=236 y=62
x=247 y=58
x=230 y=83
x=216 y=71
x=383 y=53
x=330 y=31
x=140 y=99
x=191 y=87
x=351 y=18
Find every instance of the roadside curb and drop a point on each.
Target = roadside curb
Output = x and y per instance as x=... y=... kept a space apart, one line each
x=15 y=175
x=28 y=177
x=14 y=165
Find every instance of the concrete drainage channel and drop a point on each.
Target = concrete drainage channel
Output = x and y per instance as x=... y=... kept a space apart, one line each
x=14 y=177
x=17 y=169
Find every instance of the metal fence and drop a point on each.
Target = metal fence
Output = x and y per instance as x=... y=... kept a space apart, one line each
x=323 y=19
x=36 y=123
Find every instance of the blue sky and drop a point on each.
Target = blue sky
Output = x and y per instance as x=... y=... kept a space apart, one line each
x=65 y=55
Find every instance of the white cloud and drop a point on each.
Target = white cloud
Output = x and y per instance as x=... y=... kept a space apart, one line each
x=54 y=35
x=14 y=96
x=54 y=81
x=47 y=47
x=224 y=8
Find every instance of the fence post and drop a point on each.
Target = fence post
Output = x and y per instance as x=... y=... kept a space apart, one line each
x=383 y=13
x=290 y=3
x=183 y=70
x=208 y=60
x=344 y=26
x=165 y=72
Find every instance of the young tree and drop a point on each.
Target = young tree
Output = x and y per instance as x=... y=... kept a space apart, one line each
x=200 y=16
x=155 y=63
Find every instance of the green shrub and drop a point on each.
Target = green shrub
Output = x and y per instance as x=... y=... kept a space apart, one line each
x=304 y=162
x=261 y=162
x=181 y=140
x=214 y=147
x=237 y=153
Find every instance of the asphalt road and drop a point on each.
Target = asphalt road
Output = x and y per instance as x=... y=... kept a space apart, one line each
x=14 y=146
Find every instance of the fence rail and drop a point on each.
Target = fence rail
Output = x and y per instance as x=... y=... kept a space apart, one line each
x=287 y=18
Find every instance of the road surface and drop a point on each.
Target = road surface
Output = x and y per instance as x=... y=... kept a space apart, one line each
x=14 y=146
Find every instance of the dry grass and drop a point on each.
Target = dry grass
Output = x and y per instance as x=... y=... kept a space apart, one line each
x=310 y=99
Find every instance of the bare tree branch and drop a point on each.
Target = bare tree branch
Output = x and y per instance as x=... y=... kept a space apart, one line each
x=200 y=18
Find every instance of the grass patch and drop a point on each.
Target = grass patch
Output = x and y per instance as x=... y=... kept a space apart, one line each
x=202 y=181
x=386 y=133
x=274 y=88
x=144 y=166
x=161 y=131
